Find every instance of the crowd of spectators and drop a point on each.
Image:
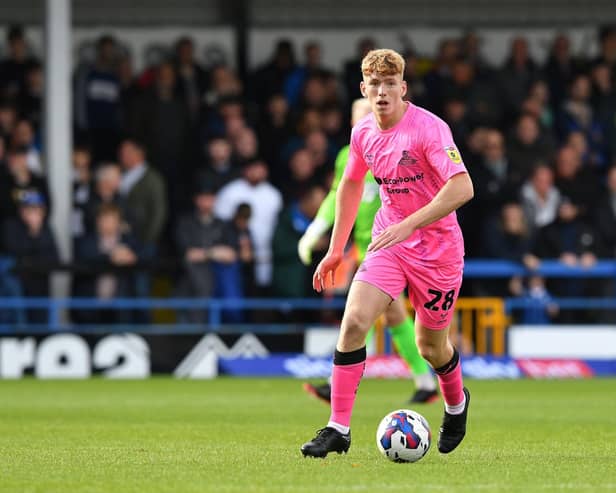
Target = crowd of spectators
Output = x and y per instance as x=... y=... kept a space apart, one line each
x=190 y=162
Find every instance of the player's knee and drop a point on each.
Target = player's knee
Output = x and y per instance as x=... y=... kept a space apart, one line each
x=355 y=322
x=428 y=349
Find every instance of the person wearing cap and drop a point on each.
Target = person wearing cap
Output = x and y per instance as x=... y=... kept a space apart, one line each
x=18 y=180
x=29 y=239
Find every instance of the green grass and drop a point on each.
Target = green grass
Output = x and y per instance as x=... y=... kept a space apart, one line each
x=238 y=435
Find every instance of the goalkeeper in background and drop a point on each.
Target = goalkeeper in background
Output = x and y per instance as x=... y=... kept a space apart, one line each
x=397 y=320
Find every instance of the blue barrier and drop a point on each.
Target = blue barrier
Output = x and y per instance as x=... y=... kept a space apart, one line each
x=490 y=269
x=215 y=307
x=474 y=269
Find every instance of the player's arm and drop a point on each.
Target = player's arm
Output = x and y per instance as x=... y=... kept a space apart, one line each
x=456 y=192
x=326 y=214
x=348 y=197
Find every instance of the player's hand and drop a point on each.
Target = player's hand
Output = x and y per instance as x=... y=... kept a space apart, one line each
x=391 y=235
x=326 y=270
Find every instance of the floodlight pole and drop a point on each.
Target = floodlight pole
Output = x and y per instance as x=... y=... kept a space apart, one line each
x=57 y=125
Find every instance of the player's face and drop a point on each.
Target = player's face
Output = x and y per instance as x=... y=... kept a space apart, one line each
x=385 y=92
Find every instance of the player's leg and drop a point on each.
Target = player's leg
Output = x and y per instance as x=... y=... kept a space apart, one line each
x=323 y=391
x=365 y=303
x=433 y=291
x=402 y=331
x=435 y=346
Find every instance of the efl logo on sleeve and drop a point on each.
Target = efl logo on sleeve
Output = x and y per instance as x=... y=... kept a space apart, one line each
x=453 y=154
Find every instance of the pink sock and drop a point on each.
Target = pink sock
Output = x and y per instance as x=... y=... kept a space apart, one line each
x=345 y=381
x=450 y=380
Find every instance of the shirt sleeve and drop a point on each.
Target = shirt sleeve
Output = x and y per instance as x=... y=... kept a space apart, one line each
x=442 y=152
x=356 y=167
x=327 y=211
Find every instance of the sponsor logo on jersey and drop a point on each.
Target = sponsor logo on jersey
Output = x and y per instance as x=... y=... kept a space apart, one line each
x=453 y=154
x=406 y=159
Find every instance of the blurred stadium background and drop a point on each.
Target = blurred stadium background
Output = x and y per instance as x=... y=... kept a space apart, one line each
x=159 y=161
x=103 y=266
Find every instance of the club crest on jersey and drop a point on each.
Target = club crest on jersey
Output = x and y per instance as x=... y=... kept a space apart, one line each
x=453 y=154
x=369 y=158
x=406 y=159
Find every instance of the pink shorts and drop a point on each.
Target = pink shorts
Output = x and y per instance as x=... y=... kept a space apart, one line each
x=433 y=289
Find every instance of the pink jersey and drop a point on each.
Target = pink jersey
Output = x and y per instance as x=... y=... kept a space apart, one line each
x=411 y=162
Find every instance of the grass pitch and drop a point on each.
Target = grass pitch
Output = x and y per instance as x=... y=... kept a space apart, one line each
x=240 y=435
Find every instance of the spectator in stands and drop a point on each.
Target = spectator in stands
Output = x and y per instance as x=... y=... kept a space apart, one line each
x=192 y=78
x=270 y=77
x=209 y=249
x=300 y=174
x=568 y=238
x=607 y=48
x=291 y=278
x=313 y=94
x=220 y=169
x=143 y=191
x=109 y=251
x=537 y=104
x=577 y=114
x=28 y=238
x=605 y=216
x=31 y=99
x=577 y=185
x=18 y=181
x=470 y=49
x=160 y=120
x=416 y=89
x=224 y=83
x=351 y=74
x=106 y=191
x=507 y=236
x=274 y=129
x=332 y=124
x=312 y=67
x=8 y=118
x=130 y=89
x=440 y=74
x=516 y=76
x=98 y=101
x=526 y=147
x=604 y=221
x=540 y=198
x=604 y=105
x=241 y=226
x=24 y=137
x=322 y=150
x=455 y=115
x=575 y=243
x=82 y=189
x=541 y=308
x=482 y=103
x=14 y=68
x=265 y=202
x=144 y=194
x=493 y=186
x=245 y=145
x=559 y=69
